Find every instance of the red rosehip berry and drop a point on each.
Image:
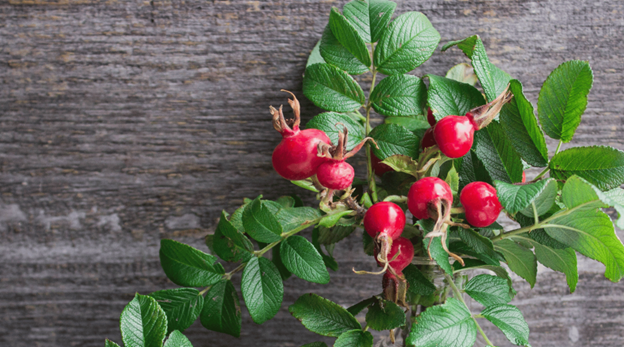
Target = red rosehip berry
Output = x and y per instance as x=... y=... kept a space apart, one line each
x=404 y=258
x=455 y=135
x=428 y=140
x=335 y=174
x=384 y=218
x=295 y=157
x=378 y=167
x=523 y=177
x=430 y=118
x=480 y=203
x=424 y=192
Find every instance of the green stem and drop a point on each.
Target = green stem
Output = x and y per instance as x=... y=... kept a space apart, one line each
x=287 y=235
x=371 y=174
x=558 y=147
x=458 y=295
x=535 y=216
x=548 y=168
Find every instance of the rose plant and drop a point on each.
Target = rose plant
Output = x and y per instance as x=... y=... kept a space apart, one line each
x=448 y=154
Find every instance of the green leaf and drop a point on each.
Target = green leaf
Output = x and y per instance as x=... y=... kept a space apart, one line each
x=402 y=163
x=357 y=308
x=399 y=95
x=336 y=54
x=262 y=289
x=322 y=316
x=447 y=97
x=331 y=219
x=435 y=247
x=472 y=169
x=355 y=338
x=510 y=321
x=452 y=179
x=301 y=258
x=499 y=157
x=143 y=323
x=221 y=311
x=109 y=343
x=463 y=73
x=586 y=229
x=177 y=339
x=305 y=184
x=520 y=124
x=476 y=241
x=544 y=202
x=332 y=89
x=488 y=290
x=417 y=125
x=315 y=56
x=260 y=223
x=286 y=201
x=418 y=283
x=394 y=139
x=181 y=305
x=449 y=325
x=187 y=266
x=384 y=315
x=329 y=236
x=473 y=264
x=562 y=260
x=315 y=344
x=229 y=243
x=277 y=260
x=493 y=80
x=328 y=122
x=602 y=166
x=520 y=260
x=348 y=36
x=462 y=248
x=409 y=41
x=563 y=98
x=542 y=237
x=370 y=18
x=516 y=198
x=616 y=199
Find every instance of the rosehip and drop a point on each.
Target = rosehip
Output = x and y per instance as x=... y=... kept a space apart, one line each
x=430 y=118
x=385 y=218
x=523 y=177
x=335 y=174
x=428 y=140
x=295 y=157
x=480 y=203
x=378 y=167
x=403 y=259
x=424 y=192
x=455 y=135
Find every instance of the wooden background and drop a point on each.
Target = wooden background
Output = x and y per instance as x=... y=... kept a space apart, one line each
x=124 y=121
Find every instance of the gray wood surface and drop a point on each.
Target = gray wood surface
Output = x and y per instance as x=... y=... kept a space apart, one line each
x=124 y=122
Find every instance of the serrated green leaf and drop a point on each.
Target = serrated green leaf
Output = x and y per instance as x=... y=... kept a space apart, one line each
x=475 y=241
x=177 y=339
x=229 y=243
x=329 y=123
x=519 y=259
x=402 y=163
x=463 y=73
x=384 y=315
x=187 y=266
x=260 y=223
x=516 y=198
x=109 y=343
x=328 y=236
x=462 y=248
x=473 y=264
x=520 y=124
x=331 y=219
x=472 y=170
x=337 y=55
x=262 y=289
x=496 y=152
x=602 y=166
x=354 y=338
x=409 y=41
x=332 y=89
x=417 y=125
x=305 y=184
x=221 y=311
x=143 y=323
x=544 y=202
x=510 y=321
x=586 y=229
x=447 y=97
x=294 y=217
x=418 y=283
x=315 y=56
x=181 y=305
x=616 y=199
x=449 y=325
x=322 y=316
x=370 y=18
x=488 y=290
x=399 y=95
x=286 y=201
x=394 y=139
x=435 y=247
x=542 y=237
x=302 y=259
x=360 y=306
x=562 y=260
x=563 y=98
x=348 y=36
x=452 y=179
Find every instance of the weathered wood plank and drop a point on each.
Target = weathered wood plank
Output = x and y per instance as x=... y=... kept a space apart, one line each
x=124 y=122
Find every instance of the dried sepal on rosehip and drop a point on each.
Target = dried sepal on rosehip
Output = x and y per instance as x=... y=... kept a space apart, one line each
x=454 y=135
x=296 y=156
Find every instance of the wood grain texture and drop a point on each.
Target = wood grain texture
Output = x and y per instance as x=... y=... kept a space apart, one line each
x=124 y=122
